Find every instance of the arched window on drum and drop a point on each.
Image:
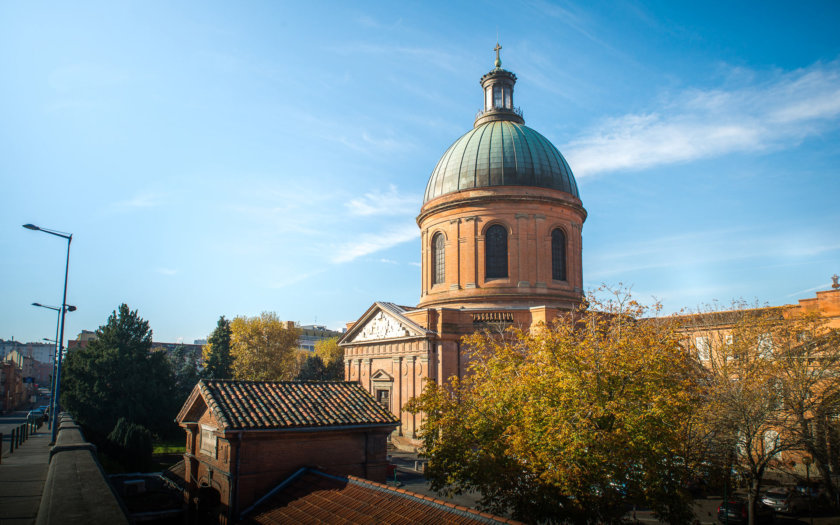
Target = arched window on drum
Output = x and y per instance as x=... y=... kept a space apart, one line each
x=558 y=255
x=438 y=259
x=495 y=252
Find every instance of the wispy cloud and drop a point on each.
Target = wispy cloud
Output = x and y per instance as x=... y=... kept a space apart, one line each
x=141 y=200
x=701 y=248
x=369 y=243
x=377 y=202
x=812 y=289
x=697 y=124
x=439 y=58
x=166 y=271
x=388 y=261
x=294 y=279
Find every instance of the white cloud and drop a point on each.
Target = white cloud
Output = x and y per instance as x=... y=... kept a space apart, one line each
x=166 y=271
x=390 y=202
x=700 y=124
x=369 y=243
x=388 y=261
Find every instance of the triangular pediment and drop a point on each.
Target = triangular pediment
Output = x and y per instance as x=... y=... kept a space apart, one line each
x=381 y=375
x=382 y=322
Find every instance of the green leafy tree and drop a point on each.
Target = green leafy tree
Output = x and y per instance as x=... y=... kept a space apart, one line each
x=264 y=348
x=131 y=444
x=325 y=364
x=570 y=422
x=312 y=369
x=218 y=361
x=117 y=376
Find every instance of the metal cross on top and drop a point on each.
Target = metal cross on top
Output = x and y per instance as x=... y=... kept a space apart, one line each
x=498 y=60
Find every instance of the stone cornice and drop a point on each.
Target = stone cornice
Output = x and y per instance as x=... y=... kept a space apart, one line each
x=484 y=195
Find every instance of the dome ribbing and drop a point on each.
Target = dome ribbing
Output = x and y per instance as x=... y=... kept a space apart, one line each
x=500 y=153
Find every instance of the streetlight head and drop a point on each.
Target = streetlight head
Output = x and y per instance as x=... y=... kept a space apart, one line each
x=37 y=304
x=71 y=308
x=31 y=227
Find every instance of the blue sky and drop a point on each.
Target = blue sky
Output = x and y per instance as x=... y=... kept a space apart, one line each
x=227 y=158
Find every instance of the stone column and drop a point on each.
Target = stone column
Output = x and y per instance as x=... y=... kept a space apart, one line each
x=455 y=244
x=412 y=378
x=519 y=268
x=423 y=372
x=398 y=401
x=424 y=264
x=542 y=249
x=470 y=260
x=366 y=367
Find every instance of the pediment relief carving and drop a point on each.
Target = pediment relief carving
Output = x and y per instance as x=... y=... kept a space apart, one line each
x=381 y=326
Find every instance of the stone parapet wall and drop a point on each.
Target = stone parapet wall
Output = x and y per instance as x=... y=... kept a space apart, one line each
x=76 y=490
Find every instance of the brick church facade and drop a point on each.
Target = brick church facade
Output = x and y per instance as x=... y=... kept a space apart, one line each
x=500 y=246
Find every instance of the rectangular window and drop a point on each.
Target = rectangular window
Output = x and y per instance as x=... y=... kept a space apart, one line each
x=497 y=96
x=771 y=442
x=384 y=398
x=208 y=441
x=765 y=346
x=703 y=350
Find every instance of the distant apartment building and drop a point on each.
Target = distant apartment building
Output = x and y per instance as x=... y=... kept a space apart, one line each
x=312 y=333
x=82 y=340
x=41 y=352
x=11 y=386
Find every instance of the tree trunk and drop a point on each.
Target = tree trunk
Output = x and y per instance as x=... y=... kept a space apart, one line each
x=820 y=457
x=755 y=486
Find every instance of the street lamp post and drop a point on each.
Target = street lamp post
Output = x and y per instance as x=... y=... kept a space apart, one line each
x=57 y=391
x=69 y=308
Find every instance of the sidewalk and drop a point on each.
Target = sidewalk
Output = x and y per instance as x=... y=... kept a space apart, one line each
x=22 y=476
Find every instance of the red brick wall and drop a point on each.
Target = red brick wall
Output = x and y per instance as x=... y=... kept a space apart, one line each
x=529 y=215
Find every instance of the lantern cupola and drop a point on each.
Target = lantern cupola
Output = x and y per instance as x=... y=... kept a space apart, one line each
x=498 y=95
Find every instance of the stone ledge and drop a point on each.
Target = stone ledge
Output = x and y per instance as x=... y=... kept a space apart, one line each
x=76 y=490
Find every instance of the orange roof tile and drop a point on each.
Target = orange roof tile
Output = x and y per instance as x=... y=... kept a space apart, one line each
x=340 y=499
x=265 y=405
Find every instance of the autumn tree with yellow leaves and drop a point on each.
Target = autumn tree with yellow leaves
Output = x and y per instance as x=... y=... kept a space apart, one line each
x=263 y=348
x=572 y=421
x=774 y=387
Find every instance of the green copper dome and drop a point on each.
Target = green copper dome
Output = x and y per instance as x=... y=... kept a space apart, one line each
x=500 y=153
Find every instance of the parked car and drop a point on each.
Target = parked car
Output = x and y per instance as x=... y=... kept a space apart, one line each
x=734 y=512
x=785 y=500
x=36 y=416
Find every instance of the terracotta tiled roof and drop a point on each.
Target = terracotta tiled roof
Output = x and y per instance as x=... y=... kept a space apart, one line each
x=245 y=405
x=310 y=496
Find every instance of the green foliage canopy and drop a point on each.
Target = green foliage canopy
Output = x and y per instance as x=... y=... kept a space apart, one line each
x=117 y=376
x=218 y=361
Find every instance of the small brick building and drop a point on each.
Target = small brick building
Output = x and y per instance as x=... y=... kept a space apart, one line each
x=245 y=437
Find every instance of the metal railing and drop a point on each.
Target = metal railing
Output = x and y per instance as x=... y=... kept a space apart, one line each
x=514 y=110
x=19 y=435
